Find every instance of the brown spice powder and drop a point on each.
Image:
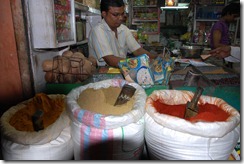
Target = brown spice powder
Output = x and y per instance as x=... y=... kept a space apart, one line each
x=102 y=101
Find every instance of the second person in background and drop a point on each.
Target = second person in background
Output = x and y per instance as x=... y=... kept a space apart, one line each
x=220 y=30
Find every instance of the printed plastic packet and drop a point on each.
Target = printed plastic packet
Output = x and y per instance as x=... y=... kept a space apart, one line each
x=161 y=68
x=137 y=70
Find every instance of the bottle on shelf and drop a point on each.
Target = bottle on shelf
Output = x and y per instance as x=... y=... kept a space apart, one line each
x=196 y=36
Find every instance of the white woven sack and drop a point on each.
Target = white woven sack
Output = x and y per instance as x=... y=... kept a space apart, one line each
x=32 y=138
x=123 y=143
x=173 y=138
x=116 y=137
x=60 y=148
x=45 y=144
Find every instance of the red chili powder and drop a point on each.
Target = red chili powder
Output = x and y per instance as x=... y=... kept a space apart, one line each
x=206 y=112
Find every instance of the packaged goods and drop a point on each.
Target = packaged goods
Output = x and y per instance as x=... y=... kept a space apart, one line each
x=148 y=73
x=137 y=70
x=161 y=68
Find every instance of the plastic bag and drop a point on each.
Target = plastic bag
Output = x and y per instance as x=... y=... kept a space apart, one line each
x=137 y=70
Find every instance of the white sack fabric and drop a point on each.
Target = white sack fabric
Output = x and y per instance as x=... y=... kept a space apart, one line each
x=172 y=138
x=46 y=144
x=60 y=148
x=98 y=136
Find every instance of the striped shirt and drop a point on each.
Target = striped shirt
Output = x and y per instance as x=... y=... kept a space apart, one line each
x=103 y=42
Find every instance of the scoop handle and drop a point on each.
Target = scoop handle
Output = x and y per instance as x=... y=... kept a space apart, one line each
x=198 y=93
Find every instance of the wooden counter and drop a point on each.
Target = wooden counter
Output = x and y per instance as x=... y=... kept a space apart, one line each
x=218 y=84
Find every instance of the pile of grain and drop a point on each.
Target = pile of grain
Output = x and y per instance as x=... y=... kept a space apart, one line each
x=102 y=101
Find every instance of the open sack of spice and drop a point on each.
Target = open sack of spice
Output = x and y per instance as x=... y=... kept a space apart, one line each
x=21 y=140
x=140 y=70
x=212 y=134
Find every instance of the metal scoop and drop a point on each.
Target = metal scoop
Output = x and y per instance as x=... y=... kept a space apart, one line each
x=126 y=93
x=191 y=107
x=37 y=120
x=192 y=78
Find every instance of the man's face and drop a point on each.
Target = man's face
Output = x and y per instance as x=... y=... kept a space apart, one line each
x=114 y=16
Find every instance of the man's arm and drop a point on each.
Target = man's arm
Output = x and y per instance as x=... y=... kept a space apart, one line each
x=112 y=60
x=141 y=51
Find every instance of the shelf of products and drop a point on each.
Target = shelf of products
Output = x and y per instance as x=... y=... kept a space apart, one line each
x=206 y=13
x=146 y=16
x=234 y=32
x=84 y=16
x=86 y=10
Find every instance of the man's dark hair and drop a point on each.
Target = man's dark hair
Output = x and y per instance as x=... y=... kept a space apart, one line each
x=232 y=8
x=105 y=4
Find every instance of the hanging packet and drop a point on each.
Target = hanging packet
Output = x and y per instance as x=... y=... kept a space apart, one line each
x=137 y=70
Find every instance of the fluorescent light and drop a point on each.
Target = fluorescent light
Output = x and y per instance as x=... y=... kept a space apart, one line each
x=174 y=7
x=180 y=6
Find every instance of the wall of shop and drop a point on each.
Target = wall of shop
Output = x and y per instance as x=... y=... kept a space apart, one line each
x=15 y=83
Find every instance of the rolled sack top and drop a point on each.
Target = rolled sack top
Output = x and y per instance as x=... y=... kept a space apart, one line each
x=205 y=129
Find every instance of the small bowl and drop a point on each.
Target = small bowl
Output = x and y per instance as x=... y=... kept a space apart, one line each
x=191 y=51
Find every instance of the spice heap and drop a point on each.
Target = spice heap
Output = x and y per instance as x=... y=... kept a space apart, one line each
x=51 y=108
x=102 y=101
x=207 y=112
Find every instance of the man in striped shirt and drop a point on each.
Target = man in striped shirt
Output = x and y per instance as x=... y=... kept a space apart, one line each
x=110 y=41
